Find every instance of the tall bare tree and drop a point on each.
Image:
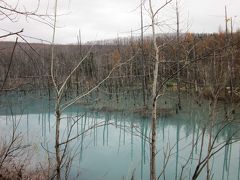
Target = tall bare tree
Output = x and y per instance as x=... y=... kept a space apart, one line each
x=155 y=93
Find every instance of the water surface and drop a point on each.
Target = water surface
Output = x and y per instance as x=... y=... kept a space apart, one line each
x=116 y=144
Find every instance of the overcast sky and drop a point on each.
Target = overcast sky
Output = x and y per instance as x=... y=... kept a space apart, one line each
x=107 y=19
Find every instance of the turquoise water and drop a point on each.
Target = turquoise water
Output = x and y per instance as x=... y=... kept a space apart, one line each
x=116 y=145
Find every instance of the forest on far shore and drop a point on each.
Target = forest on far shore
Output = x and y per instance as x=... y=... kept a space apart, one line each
x=205 y=62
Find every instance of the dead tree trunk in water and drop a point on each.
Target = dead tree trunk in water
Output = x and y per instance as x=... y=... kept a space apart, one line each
x=80 y=55
x=177 y=57
x=229 y=85
x=142 y=59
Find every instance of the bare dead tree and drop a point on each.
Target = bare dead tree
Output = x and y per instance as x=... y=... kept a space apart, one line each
x=153 y=13
x=60 y=89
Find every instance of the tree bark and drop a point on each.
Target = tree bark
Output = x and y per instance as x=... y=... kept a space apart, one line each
x=57 y=144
